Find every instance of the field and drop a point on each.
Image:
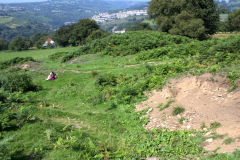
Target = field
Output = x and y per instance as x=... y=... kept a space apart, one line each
x=5 y=19
x=89 y=111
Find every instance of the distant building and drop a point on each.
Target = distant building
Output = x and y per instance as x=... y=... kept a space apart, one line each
x=49 y=42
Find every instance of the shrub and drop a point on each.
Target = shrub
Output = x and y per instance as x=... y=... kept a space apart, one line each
x=14 y=61
x=106 y=80
x=128 y=43
x=57 y=55
x=178 y=110
x=15 y=82
x=19 y=44
x=3 y=44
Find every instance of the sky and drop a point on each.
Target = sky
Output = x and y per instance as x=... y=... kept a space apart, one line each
x=20 y=1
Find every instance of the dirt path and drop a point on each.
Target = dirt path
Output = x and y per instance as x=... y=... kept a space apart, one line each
x=206 y=101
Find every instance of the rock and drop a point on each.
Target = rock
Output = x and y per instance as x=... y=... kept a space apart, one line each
x=210 y=140
x=208 y=133
x=149 y=110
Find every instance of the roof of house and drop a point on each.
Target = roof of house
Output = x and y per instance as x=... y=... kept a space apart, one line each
x=49 y=40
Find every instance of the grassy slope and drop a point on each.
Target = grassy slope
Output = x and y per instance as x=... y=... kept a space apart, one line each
x=104 y=131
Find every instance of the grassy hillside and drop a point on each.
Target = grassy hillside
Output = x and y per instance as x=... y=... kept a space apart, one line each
x=88 y=112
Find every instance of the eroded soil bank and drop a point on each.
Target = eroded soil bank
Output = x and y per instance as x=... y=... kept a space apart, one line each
x=206 y=101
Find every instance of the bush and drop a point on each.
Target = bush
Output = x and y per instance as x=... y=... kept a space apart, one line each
x=15 y=82
x=14 y=61
x=57 y=55
x=19 y=44
x=3 y=44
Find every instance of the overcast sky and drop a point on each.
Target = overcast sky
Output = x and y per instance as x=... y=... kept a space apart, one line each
x=20 y=1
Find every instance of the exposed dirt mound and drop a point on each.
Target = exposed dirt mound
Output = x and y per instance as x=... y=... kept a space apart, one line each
x=206 y=100
x=31 y=66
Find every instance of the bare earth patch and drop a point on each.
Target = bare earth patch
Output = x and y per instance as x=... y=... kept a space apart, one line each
x=206 y=100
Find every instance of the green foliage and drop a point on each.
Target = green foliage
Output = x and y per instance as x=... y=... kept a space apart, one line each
x=16 y=82
x=57 y=55
x=77 y=34
x=97 y=34
x=192 y=18
x=19 y=44
x=14 y=61
x=233 y=20
x=181 y=120
x=188 y=25
x=140 y=26
x=22 y=28
x=3 y=44
x=222 y=51
x=215 y=125
x=232 y=77
x=91 y=114
x=169 y=102
x=178 y=110
x=129 y=43
x=228 y=141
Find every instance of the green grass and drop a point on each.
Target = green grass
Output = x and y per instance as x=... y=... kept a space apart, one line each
x=40 y=55
x=215 y=125
x=177 y=110
x=5 y=19
x=228 y=141
x=169 y=102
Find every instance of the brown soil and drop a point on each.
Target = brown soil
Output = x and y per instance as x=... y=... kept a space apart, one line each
x=206 y=100
x=223 y=35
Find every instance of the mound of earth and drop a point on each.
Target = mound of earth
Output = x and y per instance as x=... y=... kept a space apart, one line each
x=206 y=101
x=30 y=65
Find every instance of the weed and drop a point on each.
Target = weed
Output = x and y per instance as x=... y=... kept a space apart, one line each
x=94 y=74
x=215 y=125
x=203 y=125
x=181 y=120
x=177 y=110
x=169 y=102
x=228 y=141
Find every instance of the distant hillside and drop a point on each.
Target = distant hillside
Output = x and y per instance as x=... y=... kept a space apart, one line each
x=50 y=15
x=230 y=5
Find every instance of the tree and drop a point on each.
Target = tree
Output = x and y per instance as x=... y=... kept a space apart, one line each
x=82 y=30
x=63 y=34
x=75 y=34
x=140 y=26
x=19 y=44
x=234 y=20
x=3 y=44
x=183 y=16
x=97 y=34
